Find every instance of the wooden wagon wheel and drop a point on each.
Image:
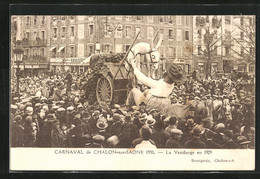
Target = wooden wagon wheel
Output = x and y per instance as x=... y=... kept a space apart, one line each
x=104 y=89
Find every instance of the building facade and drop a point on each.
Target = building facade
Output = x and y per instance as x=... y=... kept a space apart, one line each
x=74 y=38
x=62 y=43
x=119 y=32
x=226 y=43
x=35 y=36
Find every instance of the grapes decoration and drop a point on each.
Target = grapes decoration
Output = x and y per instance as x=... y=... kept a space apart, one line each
x=89 y=81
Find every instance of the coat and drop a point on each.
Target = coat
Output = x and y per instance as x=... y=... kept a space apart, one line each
x=128 y=134
x=172 y=143
x=160 y=137
x=17 y=135
x=195 y=143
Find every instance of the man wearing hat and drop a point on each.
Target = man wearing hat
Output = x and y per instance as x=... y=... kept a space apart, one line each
x=160 y=136
x=17 y=130
x=210 y=144
x=116 y=127
x=97 y=141
x=70 y=115
x=228 y=138
x=174 y=141
x=145 y=141
x=44 y=139
x=128 y=134
x=187 y=129
x=158 y=96
x=61 y=115
x=172 y=125
x=58 y=138
x=243 y=142
x=248 y=113
x=195 y=142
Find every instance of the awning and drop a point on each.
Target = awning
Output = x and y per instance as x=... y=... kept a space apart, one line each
x=61 y=48
x=87 y=60
x=51 y=49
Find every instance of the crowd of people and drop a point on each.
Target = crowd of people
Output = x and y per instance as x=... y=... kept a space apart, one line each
x=49 y=112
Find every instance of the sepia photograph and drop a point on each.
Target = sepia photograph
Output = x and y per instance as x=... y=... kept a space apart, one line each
x=132 y=82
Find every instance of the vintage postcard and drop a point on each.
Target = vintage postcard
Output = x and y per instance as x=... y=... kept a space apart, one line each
x=139 y=92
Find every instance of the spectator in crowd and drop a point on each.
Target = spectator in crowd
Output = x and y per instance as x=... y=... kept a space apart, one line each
x=174 y=141
x=216 y=113
x=145 y=136
x=195 y=142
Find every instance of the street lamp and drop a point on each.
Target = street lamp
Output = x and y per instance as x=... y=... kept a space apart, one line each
x=113 y=29
x=18 y=58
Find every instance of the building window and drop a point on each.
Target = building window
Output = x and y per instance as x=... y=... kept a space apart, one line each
x=161 y=50
x=199 y=33
x=119 y=48
x=72 y=31
x=81 y=31
x=242 y=67
x=252 y=50
x=127 y=47
x=187 y=35
x=150 y=33
x=227 y=51
x=242 y=51
x=55 y=32
x=199 y=50
x=179 y=35
x=178 y=20
x=215 y=51
x=241 y=21
x=91 y=50
x=43 y=19
x=170 y=51
x=138 y=18
x=137 y=30
x=170 y=34
x=207 y=19
x=227 y=19
x=90 y=29
x=150 y=18
x=106 y=48
x=160 y=18
x=128 y=31
x=42 y=52
x=27 y=35
x=80 y=50
x=119 y=32
x=62 y=53
x=72 y=17
x=241 y=35
x=63 y=32
x=28 y=21
x=161 y=31
x=72 y=51
x=34 y=35
x=35 y=20
x=179 y=52
x=27 y=52
x=174 y=52
x=187 y=21
x=252 y=68
x=187 y=68
x=250 y=21
x=170 y=19
x=42 y=35
x=54 y=53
